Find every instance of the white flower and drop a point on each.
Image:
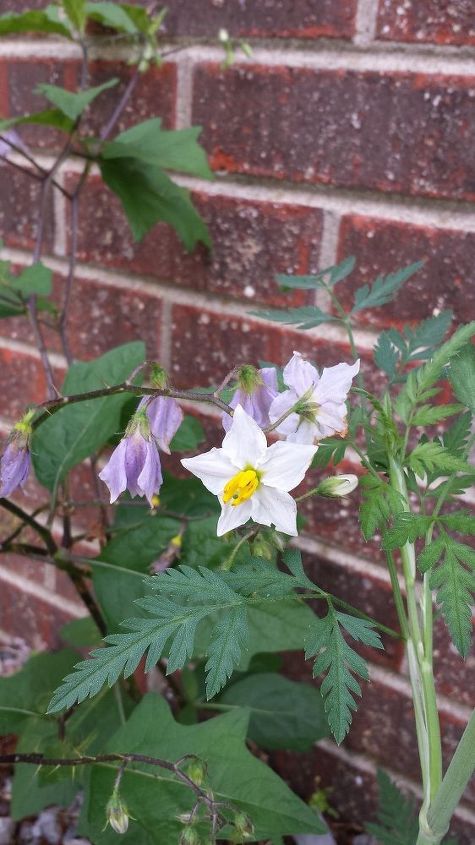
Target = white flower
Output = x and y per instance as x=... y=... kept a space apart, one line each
x=321 y=400
x=251 y=479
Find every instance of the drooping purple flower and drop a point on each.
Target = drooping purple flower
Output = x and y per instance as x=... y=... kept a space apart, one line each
x=256 y=392
x=15 y=462
x=319 y=401
x=135 y=463
x=14 y=466
x=6 y=149
x=165 y=417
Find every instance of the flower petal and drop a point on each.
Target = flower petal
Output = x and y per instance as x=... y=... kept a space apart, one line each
x=279 y=406
x=300 y=374
x=213 y=468
x=114 y=474
x=135 y=454
x=245 y=443
x=150 y=479
x=233 y=516
x=286 y=464
x=275 y=507
x=306 y=432
x=269 y=377
x=335 y=383
x=14 y=468
x=165 y=417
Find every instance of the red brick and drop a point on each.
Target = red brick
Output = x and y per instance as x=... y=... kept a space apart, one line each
x=445 y=281
x=352 y=790
x=19 y=209
x=23 y=75
x=422 y=21
x=31 y=618
x=22 y=381
x=455 y=677
x=100 y=317
x=267 y=18
x=252 y=242
x=154 y=95
x=395 y=133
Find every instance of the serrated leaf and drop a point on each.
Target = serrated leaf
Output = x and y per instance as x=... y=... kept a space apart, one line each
x=462 y=376
x=380 y=502
x=330 y=450
x=406 y=528
x=329 y=276
x=339 y=662
x=462 y=521
x=384 y=288
x=453 y=576
x=430 y=554
x=397 y=822
x=77 y=431
x=166 y=149
x=431 y=456
x=225 y=650
x=455 y=439
x=71 y=103
x=386 y=355
x=148 y=196
x=432 y=414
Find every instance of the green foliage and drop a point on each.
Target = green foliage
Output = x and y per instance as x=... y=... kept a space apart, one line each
x=306 y=317
x=119 y=16
x=462 y=376
x=395 y=350
x=330 y=450
x=156 y=800
x=430 y=456
x=46 y=21
x=325 y=278
x=148 y=195
x=406 y=528
x=25 y=694
x=452 y=566
x=77 y=431
x=397 y=822
x=379 y=503
x=48 y=117
x=148 y=143
x=70 y=103
x=340 y=663
x=189 y=436
x=283 y=714
x=76 y=12
x=384 y=288
x=15 y=290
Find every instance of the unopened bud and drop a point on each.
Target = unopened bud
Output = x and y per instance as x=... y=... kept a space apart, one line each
x=189 y=836
x=223 y=36
x=243 y=825
x=117 y=814
x=262 y=548
x=249 y=378
x=338 y=485
x=196 y=771
x=158 y=376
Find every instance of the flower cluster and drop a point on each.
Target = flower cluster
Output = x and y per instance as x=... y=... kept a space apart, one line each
x=251 y=479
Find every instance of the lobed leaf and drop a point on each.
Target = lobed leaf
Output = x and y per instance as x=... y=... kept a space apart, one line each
x=73 y=103
x=384 y=288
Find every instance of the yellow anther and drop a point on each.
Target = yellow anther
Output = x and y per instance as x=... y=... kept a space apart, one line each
x=241 y=487
x=176 y=541
x=155 y=501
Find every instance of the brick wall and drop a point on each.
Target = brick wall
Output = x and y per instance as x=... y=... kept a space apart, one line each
x=349 y=131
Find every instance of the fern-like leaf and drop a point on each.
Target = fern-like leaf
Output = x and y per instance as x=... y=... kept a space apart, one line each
x=453 y=576
x=397 y=822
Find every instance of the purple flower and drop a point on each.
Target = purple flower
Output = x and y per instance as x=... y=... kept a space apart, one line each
x=134 y=464
x=14 y=466
x=5 y=148
x=256 y=392
x=165 y=417
x=318 y=401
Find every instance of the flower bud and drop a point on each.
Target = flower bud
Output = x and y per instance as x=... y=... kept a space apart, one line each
x=189 y=836
x=15 y=462
x=338 y=485
x=249 y=378
x=196 y=771
x=243 y=826
x=158 y=376
x=263 y=548
x=223 y=36
x=117 y=814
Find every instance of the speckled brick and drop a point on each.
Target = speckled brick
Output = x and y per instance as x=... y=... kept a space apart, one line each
x=382 y=246
x=266 y=18
x=398 y=132
x=22 y=381
x=19 y=209
x=154 y=95
x=422 y=21
x=455 y=677
x=22 y=77
x=252 y=242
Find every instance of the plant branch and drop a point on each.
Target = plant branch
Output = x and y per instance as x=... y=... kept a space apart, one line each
x=28 y=519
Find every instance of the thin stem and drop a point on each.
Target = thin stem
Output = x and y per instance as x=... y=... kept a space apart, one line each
x=28 y=519
x=227 y=564
x=398 y=599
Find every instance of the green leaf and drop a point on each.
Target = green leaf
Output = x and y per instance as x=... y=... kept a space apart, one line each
x=189 y=436
x=462 y=521
x=397 y=822
x=162 y=148
x=156 y=800
x=384 y=288
x=431 y=456
x=76 y=12
x=71 y=103
x=330 y=450
x=80 y=633
x=340 y=663
x=406 y=528
x=77 y=431
x=455 y=439
x=306 y=317
x=453 y=576
x=462 y=376
x=225 y=650
x=148 y=195
x=386 y=355
x=328 y=277
x=33 y=280
x=47 y=117
x=380 y=502
x=284 y=714
x=25 y=694
x=432 y=414
x=114 y=15
x=46 y=21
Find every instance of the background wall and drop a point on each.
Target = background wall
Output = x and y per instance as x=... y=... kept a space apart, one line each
x=350 y=131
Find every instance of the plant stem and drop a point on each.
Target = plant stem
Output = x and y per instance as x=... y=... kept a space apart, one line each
x=398 y=599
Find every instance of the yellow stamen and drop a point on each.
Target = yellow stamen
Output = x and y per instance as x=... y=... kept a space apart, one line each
x=241 y=487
